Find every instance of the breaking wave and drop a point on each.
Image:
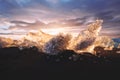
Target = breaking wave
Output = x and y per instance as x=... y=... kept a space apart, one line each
x=84 y=42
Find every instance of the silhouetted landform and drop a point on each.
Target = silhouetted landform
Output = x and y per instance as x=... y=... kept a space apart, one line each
x=30 y=63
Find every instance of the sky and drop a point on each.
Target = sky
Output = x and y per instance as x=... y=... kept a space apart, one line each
x=18 y=17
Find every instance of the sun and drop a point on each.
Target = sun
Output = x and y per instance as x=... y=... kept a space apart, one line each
x=54 y=31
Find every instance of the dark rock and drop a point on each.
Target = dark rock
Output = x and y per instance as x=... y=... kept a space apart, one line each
x=31 y=63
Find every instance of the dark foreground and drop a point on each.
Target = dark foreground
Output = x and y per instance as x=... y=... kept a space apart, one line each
x=30 y=64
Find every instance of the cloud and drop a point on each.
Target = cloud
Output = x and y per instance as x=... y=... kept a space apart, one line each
x=82 y=12
x=19 y=22
x=26 y=26
x=53 y=1
x=71 y=25
x=79 y=21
